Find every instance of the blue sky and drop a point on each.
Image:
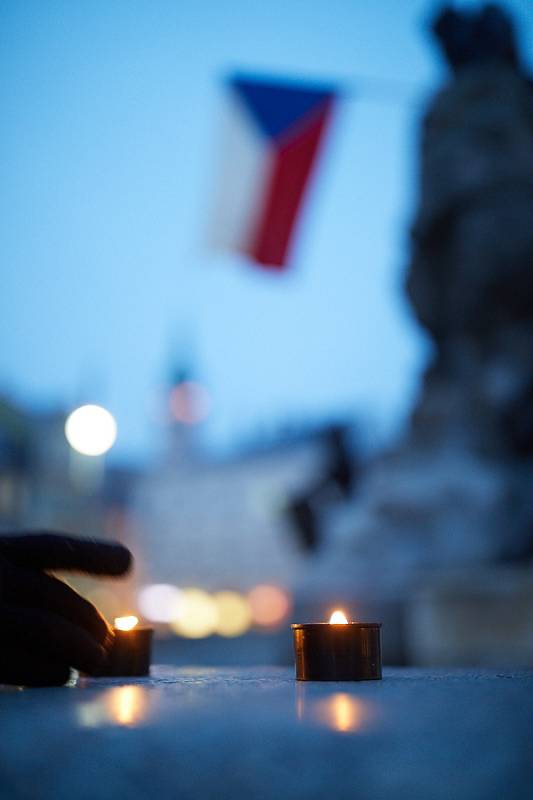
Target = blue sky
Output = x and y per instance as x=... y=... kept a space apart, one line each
x=108 y=159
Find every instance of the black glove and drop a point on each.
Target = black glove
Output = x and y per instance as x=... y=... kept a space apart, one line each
x=45 y=626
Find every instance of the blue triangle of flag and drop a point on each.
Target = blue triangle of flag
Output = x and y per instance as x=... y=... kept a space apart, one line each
x=276 y=106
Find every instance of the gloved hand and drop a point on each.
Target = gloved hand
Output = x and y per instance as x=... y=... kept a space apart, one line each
x=45 y=626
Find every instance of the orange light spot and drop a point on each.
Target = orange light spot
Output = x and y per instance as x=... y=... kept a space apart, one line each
x=189 y=403
x=270 y=605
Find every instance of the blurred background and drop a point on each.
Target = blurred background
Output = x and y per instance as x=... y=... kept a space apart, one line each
x=232 y=413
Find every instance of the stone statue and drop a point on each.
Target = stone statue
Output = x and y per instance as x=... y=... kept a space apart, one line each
x=471 y=275
x=458 y=490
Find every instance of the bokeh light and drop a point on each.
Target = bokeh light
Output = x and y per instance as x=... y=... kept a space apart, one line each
x=189 y=403
x=269 y=604
x=161 y=602
x=198 y=616
x=91 y=430
x=234 y=613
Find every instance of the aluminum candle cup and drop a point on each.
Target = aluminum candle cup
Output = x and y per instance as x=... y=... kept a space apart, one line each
x=129 y=654
x=337 y=652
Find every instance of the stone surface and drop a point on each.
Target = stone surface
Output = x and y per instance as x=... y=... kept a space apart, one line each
x=236 y=733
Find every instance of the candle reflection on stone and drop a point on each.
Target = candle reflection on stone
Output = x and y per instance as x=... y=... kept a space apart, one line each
x=122 y=705
x=341 y=711
x=127 y=704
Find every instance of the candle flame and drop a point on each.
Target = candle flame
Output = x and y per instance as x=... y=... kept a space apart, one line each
x=126 y=623
x=338 y=618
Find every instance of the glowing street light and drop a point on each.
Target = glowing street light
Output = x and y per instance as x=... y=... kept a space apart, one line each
x=198 y=615
x=91 y=430
x=269 y=604
x=161 y=602
x=234 y=614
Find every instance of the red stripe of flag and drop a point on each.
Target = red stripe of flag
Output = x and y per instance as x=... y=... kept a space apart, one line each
x=289 y=179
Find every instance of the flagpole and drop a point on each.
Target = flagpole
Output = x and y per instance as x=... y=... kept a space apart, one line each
x=382 y=90
x=379 y=89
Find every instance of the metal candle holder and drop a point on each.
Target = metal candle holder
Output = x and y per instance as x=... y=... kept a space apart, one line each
x=129 y=654
x=330 y=652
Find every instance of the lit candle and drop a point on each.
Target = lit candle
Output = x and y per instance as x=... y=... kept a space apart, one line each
x=337 y=650
x=129 y=654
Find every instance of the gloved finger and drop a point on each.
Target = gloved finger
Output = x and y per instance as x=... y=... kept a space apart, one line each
x=20 y=667
x=50 y=637
x=42 y=550
x=32 y=589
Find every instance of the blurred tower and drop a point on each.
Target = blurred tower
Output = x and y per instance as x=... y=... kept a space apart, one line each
x=187 y=406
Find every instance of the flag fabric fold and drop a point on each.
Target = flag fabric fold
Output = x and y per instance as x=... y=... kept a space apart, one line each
x=273 y=134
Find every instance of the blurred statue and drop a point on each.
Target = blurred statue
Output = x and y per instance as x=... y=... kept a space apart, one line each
x=458 y=489
x=471 y=274
x=478 y=37
x=338 y=480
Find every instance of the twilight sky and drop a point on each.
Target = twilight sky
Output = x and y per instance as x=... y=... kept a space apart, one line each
x=109 y=149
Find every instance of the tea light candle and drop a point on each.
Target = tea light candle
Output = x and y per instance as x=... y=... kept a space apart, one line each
x=129 y=654
x=337 y=650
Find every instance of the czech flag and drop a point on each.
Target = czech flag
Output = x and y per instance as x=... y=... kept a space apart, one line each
x=273 y=135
